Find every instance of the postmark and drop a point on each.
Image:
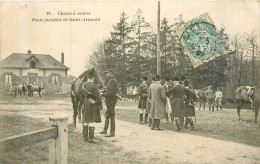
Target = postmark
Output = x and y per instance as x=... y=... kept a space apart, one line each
x=201 y=40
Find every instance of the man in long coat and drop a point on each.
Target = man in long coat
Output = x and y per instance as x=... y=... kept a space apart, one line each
x=178 y=92
x=158 y=103
x=189 y=105
x=92 y=107
x=110 y=100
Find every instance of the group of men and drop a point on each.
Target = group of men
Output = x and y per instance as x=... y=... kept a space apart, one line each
x=159 y=101
x=93 y=105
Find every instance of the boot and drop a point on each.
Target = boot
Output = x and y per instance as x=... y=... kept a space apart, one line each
x=85 y=132
x=158 y=125
x=141 y=118
x=105 y=126
x=145 y=117
x=192 y=124
x=91 y=135
x=213 y=109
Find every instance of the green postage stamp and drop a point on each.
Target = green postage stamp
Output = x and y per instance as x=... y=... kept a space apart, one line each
x=201 y=40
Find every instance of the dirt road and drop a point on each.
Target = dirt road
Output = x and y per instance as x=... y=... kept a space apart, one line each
x=164 y=146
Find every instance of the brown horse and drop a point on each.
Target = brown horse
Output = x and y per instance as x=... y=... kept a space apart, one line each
x=77 y=96
x=247 y=94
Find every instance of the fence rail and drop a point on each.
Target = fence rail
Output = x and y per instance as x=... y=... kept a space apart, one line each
x=57 y=133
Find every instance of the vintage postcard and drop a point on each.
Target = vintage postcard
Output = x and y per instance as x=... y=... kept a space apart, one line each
x=129 y=81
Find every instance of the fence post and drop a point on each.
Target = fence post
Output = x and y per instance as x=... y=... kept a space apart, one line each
x=58 y=147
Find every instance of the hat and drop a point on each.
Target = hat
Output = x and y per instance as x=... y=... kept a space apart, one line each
x=157 y=77
x=145 y=78
x=153 y=78
x=186 y=83
x=167 y=79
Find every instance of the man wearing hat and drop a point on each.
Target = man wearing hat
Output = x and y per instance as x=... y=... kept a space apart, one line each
x=142 y=93
x=158 y=103
x=110 y=100
x=92 y=107
x=178 y=92
x=189 y=105
x=209 y=94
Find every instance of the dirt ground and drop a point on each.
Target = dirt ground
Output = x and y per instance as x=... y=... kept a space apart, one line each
x=218 y=137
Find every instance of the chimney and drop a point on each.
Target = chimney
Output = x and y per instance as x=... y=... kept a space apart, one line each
x=29 y=52
x=62 y=58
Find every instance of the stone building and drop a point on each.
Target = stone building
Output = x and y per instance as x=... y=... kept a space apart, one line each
x=38 y=69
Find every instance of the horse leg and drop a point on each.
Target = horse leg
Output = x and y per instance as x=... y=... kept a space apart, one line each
x=256 y=112
x=239 y=106
x=75 y=108
x=204 y=104
x=79 y=109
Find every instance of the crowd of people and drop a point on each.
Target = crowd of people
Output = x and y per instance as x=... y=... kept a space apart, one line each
x=171 y=101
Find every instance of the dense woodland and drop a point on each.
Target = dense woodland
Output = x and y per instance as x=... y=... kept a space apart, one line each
x=131 y=52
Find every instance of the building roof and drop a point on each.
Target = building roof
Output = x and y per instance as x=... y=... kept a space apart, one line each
x=20 y=60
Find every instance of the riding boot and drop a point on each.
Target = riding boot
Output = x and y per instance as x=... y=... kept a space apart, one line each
x=91 y=134
x=145 y=117
x=85 y=132
x=141 y=118
x=209 y=108
x=105 y=126
x=150 y=122
x=213 y=108
x=192 y=126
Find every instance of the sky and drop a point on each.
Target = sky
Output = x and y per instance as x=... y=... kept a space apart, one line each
x=77 y=39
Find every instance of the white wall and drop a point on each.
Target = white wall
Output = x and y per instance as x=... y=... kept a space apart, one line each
x=49 y=72
x=26 y=71
x=16 y=71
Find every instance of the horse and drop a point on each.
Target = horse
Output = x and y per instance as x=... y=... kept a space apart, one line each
x=247 y=94
x=20 y=89
x=77 y=97
x=34 y=88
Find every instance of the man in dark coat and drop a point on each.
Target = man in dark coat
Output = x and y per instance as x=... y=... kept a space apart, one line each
x=177 y=92
x=189 y=105
x=92 y=107
x=142 y=93
x=110 y=100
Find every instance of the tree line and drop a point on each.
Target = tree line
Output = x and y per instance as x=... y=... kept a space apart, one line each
x=131 y=52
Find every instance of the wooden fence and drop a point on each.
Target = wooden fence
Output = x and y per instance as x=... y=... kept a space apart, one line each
x=57 y=133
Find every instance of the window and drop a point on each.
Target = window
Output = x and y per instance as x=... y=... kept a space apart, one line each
x=32 y=65
x=55 y=79
x=8 y=80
